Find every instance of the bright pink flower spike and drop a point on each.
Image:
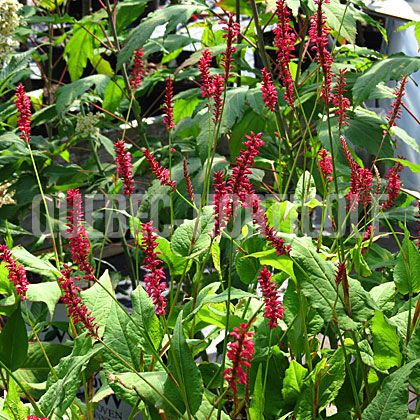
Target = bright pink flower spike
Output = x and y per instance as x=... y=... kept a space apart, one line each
x=325 y=164
x=393 y=186
x=124 y=166
x=17 y=274
x=340 y=101
x=205 y=77
x=23 y=104
x=138 y=69
x=269 y=91
x=160 y=173
x=168 y=117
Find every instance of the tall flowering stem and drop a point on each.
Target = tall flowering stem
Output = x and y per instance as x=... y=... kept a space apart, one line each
x=393 y=186
x=17 y=274
x=124 y=166
x=216 y=92
x=187 y=178
x=155 y=274
x=284 y=42
x=340 y=101
x=205 y=77
x=23 y=104
x=138 y=69
x=79 y=242
x=325 y=164
x=168 y=117
x=160 y=173
x=395 y=111
x=318 y=35
x=273 y=305
x=232 y=29
x=269 y=91
x=241 y=352
x=76 y=308
x=221 y=203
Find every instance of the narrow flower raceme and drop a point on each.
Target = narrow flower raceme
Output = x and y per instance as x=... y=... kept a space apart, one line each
x=393 y=186
x=318 y=35
x=367 y=235
x=241 y=352
x=273 y=305
x=365 y=183
x=23 y=104
x=340 y=101
x=221 y=203
x=269 y=92
x=79 y=242
x=168 y=118
x=205 y=77
x=395 y=111
x=138 y=69
x=325 y=164
x=217 y=90
x=340 y=273
x=17 y=274
x=284 y=42
x=160 y=173
x=187 y=178
x=155 y=274
x=76 y=308
x=233 y=29
x=124 y=166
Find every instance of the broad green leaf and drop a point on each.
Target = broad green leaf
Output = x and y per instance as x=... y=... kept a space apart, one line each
x=340 y=20
x=184 y=369
x=255 y=100
x=206 y=408
x=383 y=295
x=13 y=406
x=407 y=272
x=390 y=68
x=215 y=255
x=17 y=63
x=293 y=381
x=413 y=351
x=406 y=138
x=48 y=292
x=14 y=341
x=282 y=262
x=101 y=65
x=233 y=108
x=183 y=236
x=385 y=343
x=5 y=284
x=305 y=189
x=247 y=268
x=127 y=12
x=392 y=401
x=185 y=107
x=256 y=409
x=174 y=262
x=113 y=94
x=416 y=25
x=283 y=216
x=34 y=264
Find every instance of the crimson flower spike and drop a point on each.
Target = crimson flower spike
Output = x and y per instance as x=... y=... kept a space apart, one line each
x=241 y=352
x=233 y=29
x=76 y=308
x=395 y=111
x=17 y=274
x=155 y=274
x=221 y=203
x=367 y=235
x=23 y=104
x=284 y=42
x=188 y=181
x=325 y=164
x=216 y=92
x=138 y=69
x=269 y=92
x=393 y=185
x=318 y=35
x=273 y=305
x=160 y=173
x=205 y=77
x=79 y=242
x=340 y=101
x=124 y=166
x=168 y=118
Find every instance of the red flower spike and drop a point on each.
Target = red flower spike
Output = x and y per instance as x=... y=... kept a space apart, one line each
x=155 y=274
x=221 y=203
x=217 y=90
x=269 y=92
x=160 y=173
x=168 y=118
x=188 y=181
x=325 y=164
x=284 y=42
x=340 y=273
x=340 y=101
x=393 y=186
x=273 y=305
x=79 y=242
x=241 y=352
x=17 y=274
x=367 y=235
x=23 y=104
x=205 y=77
x=233 y=29
x=365 y=183
x=138 y=69
x=318 y=35
x=76 y=308
x=124 y=166
x=395 y=111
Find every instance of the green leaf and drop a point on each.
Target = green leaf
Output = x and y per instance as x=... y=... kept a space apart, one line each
x=255 y=100
x=184 y=369
x=385 y=343
x=185 y=107
x=293 y=381
x=17 y=63
x=101 y=65
x=416 y=29
x=256 y=409
x=13 y=406
x=340 y=20
x=406 y=138
x=390 y=68
x=172 y=16
x=14 y=341
x=174 y=262
x=283 y=216
x=183 y=236
x=392 y=401
x=282 y=262
x=113 y=94
x=48 y=292
x=5 y=285
x=305 y=189
x=407 y=273
x=383 y=295
x=127 y=12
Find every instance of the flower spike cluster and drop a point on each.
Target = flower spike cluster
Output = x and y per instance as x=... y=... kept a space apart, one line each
x=217 y=90
x=138 y=69
x=269 y=92
x=232 y=31
x=273 y=305
x=124 y=166
x=395 y=111
x=392 y=188
x=241 y=352
x=205 y=77
x=168 y=118
x=17 y=274
x=284 y=42
x=23 y=104
x=325 y=164
x=162 y=174
x=341 y=273
x=79 y=242
x=155 y=274
x=76 y=308
x=340 y=101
